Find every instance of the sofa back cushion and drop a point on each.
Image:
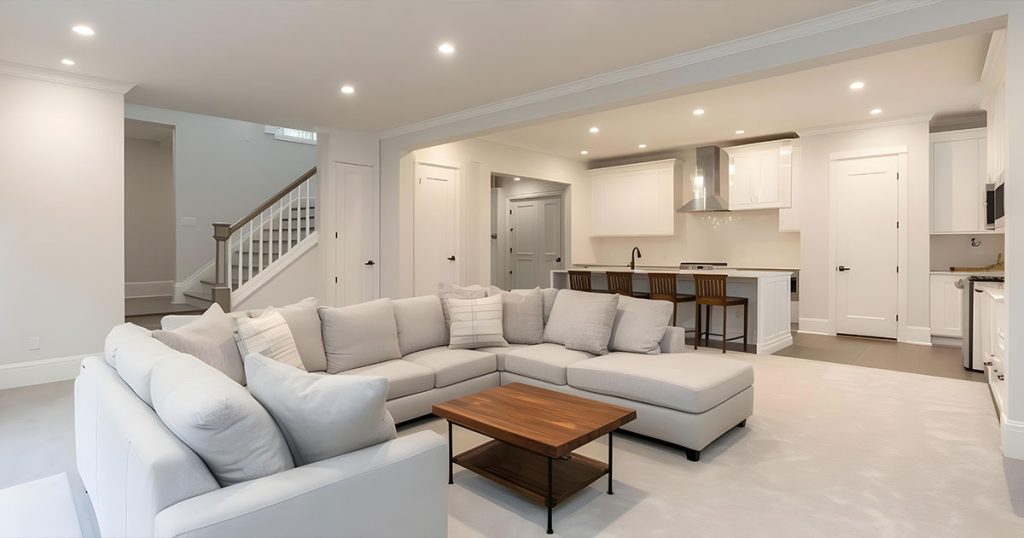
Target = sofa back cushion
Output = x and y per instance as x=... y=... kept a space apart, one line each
x=420 y=322
x=304 y=322
x=359 y=335
x=550 y=294
x=321 y=416
x=476 y=323
x=117 y=336
x=219 y=420
x=640 y=324
x=210 y=339
x=268 y=335
x=135 y=359
x=582 y=321
x=523 y=312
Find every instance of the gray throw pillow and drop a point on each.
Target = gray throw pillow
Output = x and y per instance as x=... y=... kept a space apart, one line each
x=476 y=323
x=210 y=339
x=640 y=324
x=359 y=335
x=582 y=321
x=304 y=322
x=219 y=420
x=523 y=311
x=321 y=416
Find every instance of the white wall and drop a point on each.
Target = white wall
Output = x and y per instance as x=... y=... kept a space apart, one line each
x=947 y=250
x=148 y=212
x=223 y=169
x=477 y=160
x=301 y=279
x=62 y=225
x=816 y=296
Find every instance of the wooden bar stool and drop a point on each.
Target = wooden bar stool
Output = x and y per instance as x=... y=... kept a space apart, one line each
x=710 y=291
x=580 y=281
x=621 y=282
x=663 y=288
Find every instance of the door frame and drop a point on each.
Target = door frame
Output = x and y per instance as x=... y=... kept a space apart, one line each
x=509 y=198
x=457 y=216
x=902 y=235
x=328 y=193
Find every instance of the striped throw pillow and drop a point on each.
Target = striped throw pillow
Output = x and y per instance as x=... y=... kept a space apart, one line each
x=269 y=336
x=476 y=323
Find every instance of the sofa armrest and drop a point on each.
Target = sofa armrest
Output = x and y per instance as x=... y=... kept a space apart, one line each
x=674 y=340
x=397 y=488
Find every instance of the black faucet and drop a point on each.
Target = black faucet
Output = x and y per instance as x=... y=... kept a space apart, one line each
x=633 y=256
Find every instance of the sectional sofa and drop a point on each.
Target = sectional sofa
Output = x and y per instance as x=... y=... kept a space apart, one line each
x=145 y=481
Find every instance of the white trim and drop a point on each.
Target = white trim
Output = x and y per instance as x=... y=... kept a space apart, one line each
x=947 y=341
x=60 y=77
x=1013 y=439
x=270 y=271
x=919 y=336
x=960 y=134
x=826 y=23
x=23 y=374
x=861 y=125
x=816 y=326
x=862 y=153
x=192 y=282
x=155 y=288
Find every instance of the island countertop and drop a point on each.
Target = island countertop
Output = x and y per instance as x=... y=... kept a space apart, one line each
x=731 y=273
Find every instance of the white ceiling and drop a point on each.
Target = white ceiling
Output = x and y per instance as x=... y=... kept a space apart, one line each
x=283 y=62
x=925 y=80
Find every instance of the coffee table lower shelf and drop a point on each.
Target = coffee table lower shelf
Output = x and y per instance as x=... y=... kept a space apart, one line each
x=527 y=472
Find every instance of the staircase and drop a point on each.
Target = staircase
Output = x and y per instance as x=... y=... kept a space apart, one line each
x=260 y=243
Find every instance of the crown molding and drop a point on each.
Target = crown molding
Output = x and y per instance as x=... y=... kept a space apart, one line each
x=859 y=125
x=874 y=10
x=60 y=77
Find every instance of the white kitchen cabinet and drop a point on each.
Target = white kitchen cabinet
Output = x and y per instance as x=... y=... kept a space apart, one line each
x=959 y=174
x=760 y=175
x=633 y=200
x=789 y=217
x=993 y=77
x=946 y=306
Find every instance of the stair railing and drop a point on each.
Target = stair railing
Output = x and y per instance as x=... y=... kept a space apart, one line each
x=243 y=248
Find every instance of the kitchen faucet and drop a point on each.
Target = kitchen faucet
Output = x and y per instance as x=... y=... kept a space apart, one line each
x=633 y=256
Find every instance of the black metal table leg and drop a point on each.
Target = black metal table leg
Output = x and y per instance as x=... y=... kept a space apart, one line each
x=451 y=478
x=610 y=492
x=550 y=500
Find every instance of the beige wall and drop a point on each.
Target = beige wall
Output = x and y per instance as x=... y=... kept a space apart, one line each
x=148 y=211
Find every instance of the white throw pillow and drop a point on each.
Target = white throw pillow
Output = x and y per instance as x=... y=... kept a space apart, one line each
x=210 y=339
x=304 y=322
x=321 y=416
x=476 y=323
x=420 y=322
x=640 y=324
x=523 y=312
x=359 y=335
x=269 y=336
x=219 y=420
x=452 y=291
x=582 y=321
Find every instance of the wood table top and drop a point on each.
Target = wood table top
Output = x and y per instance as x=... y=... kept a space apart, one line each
x=536 y=419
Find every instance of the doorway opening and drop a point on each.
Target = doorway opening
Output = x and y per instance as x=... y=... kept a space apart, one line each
x=529 y=231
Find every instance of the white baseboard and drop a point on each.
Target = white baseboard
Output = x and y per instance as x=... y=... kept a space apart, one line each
x=816 y=326
x=1013 y=439
x=23 y=374
x=155 y=288
x=921 y=336
x=947 y=341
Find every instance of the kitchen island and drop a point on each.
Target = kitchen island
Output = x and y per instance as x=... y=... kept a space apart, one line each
x=768 y=293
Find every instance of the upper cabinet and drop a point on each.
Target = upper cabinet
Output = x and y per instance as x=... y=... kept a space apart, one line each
x=994 y=102
x=959 y=182
x=760 y=175
x=633 y=200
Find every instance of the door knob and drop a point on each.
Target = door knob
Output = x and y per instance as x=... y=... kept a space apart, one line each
x=369 y=262
x=843 y=268
x=558 y=259
x=451 y=258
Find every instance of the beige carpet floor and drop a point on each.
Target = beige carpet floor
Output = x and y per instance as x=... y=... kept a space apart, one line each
x=832 y=451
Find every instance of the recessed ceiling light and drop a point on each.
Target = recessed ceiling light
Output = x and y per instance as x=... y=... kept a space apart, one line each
x=642 y=146
x=68 y=62
x=517 y=179
x=446 y=48
x=876 y=111
x=595 y=130
x=740 y=131
x=82 y=29
x=858 y=85
x=584 y=152
x=698 y=112
x=348 y=90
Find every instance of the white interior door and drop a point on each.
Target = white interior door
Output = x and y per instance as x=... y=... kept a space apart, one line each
x=865 y=208
x=536 y=231
x=356 y=241
x=434 y=235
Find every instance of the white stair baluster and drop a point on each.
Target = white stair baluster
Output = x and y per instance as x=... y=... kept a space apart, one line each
x=250 y=251
x=261 y=240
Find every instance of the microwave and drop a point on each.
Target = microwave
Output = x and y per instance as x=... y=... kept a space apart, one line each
x=994 y=212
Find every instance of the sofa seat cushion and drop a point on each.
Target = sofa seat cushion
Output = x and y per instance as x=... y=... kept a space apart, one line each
x=452 y=366
x=500 y=352
x=404 y=377
x=544 y=362
x=688 y=382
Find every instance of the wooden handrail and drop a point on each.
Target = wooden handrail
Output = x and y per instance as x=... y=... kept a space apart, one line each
x=271 y=201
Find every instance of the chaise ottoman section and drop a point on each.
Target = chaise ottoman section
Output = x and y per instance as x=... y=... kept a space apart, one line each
x=688 y=382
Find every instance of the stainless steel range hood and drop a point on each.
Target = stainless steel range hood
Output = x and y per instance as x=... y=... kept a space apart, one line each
x=709 y=181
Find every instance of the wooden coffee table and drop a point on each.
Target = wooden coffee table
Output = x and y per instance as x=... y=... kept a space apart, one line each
x=535 y=431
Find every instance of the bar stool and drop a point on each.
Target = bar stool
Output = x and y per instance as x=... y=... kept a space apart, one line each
x=663 y=288
x=711 y=292
x=621 y=282
x=580 y=281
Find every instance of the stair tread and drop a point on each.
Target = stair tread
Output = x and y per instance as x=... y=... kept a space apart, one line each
x=208 y=298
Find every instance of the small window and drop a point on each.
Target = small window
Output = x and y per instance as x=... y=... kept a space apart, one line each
x=291 y=135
